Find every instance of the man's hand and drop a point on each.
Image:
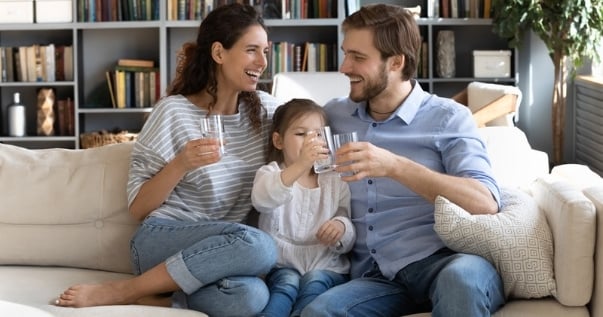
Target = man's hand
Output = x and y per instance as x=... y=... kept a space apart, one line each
x=367 y=160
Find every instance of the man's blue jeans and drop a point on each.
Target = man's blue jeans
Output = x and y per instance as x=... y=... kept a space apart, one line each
x=446 y=283
x=290 y=292
x=216 y=264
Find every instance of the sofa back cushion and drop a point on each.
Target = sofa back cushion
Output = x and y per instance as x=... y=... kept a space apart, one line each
x=65 y=207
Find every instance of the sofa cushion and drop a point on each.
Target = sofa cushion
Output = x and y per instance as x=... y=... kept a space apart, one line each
x=65 y=207
x=514 y=162
x=38 y=287
x=517 y=241
x=572 y=219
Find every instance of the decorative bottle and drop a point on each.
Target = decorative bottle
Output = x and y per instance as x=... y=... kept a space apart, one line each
x=16 y=117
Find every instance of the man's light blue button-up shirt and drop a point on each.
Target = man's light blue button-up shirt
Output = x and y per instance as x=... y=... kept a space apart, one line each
x=395 y=225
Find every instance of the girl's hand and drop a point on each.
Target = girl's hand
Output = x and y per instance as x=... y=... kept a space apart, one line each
x=330 y=232
x=312 y=149
x=197 y=153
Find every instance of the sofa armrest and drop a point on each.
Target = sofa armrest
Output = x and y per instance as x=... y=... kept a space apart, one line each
x=591 y=184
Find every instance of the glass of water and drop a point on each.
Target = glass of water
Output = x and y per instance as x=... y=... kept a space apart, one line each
x=326 y=165
x=213 y=128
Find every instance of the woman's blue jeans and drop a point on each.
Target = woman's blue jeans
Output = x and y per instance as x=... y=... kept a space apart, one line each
x=216 y=264
x=290 y=292
x=446 y=283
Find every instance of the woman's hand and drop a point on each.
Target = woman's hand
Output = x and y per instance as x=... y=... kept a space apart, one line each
x=197 y=153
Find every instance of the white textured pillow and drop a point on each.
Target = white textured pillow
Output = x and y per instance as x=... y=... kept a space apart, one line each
x=517 y=241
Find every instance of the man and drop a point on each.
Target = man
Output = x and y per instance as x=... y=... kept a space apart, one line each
x=414 y=146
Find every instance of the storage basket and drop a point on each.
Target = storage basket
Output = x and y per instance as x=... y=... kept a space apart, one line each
x=100 y=138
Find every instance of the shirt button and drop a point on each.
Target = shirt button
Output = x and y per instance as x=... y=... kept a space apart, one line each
x=370 y=210
x=370 y=181
x=370 y=228
x=374 y=124
x=373 y=251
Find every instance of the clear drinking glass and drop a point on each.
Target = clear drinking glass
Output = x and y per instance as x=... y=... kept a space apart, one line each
x=213 y=128
x=339 y=140
x=326 y=165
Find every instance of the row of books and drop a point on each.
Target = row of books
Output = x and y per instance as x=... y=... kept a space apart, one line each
x=476 y=9
x=270 y=9
x=288 y=57
x=297 y=9
x=36 y=63
x=117 y=10
x=188 y=9
x=133 y=85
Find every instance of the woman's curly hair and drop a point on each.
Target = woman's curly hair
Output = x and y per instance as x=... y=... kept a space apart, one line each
x=196 y=69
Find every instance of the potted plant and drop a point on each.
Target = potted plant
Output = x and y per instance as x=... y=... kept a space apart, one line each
x=570 y=29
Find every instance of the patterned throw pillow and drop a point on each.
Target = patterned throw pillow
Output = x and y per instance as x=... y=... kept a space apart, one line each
x=517 y=241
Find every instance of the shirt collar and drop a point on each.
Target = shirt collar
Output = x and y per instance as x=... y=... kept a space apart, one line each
x=406 y=112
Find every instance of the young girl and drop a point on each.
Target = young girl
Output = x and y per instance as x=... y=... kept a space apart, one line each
x=307 y=214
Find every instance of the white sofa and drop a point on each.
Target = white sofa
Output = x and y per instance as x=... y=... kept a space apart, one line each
x=64 y=220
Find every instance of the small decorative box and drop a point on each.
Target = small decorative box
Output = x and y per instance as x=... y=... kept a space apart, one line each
x=54 y=11
x=492 y=63
x=16 y=11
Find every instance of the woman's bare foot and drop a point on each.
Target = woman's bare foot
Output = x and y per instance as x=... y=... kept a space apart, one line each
x=86 y=295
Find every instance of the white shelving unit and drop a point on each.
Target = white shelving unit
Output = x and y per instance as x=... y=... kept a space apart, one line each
x=98 y=45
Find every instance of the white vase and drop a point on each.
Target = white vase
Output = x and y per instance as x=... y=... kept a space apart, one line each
x=445 y=57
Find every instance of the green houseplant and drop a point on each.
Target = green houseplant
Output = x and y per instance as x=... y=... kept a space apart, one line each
x=571 y=31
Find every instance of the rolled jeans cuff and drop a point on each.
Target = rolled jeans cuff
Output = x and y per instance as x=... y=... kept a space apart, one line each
x=181 y=275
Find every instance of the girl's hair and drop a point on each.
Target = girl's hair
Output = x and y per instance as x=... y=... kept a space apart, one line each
x=284 y=116
x=395 y=32
x=196 y=69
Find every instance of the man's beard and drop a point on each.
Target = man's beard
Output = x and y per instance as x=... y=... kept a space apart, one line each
x=374 y=86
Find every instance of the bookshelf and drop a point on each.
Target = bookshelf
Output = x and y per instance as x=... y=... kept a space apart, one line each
x=98 y=45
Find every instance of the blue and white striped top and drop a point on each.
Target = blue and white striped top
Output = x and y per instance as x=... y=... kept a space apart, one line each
x=219 y=191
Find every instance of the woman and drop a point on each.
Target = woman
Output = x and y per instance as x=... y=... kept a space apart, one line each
x=191 y=249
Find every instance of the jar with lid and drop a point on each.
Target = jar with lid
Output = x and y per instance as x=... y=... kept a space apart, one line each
x=16 y=117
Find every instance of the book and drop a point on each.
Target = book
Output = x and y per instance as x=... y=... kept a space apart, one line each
x=111 y=85
x=59 y=63
x=143 y=69
x=3 y=75
x=30 y=57
x=65 y=116
x=49 y=62
x=10 y=64
x=445 y=9
x=454 y=8
x=487 y=8
x=135 y=62
x=68 y=62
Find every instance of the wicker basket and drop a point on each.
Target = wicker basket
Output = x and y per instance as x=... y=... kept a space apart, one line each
x=100 y=138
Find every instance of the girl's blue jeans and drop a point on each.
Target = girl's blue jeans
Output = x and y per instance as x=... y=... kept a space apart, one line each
x=216 y=264
x=446 y=283
x=290 y=292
